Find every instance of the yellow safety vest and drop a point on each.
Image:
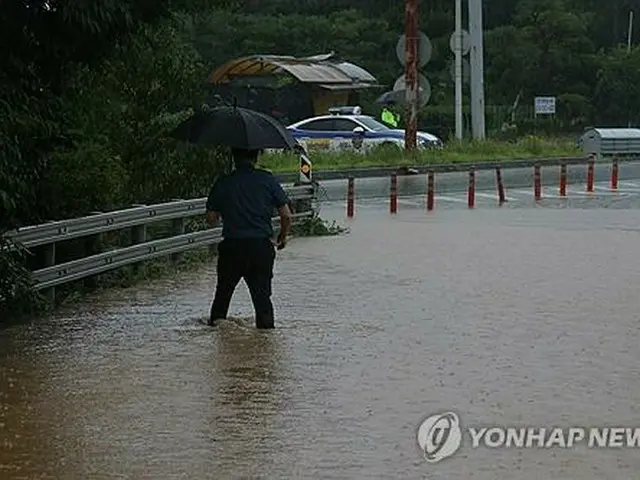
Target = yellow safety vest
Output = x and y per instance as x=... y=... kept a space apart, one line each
x=389 y=118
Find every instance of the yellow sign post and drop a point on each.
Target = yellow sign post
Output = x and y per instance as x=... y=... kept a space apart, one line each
x=305 y=169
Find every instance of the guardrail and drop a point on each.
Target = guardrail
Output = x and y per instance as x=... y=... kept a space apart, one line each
x=137 y=218
x=386 y=171
x=612 y=161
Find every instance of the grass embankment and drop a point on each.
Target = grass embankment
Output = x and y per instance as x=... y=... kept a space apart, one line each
x=453 y=152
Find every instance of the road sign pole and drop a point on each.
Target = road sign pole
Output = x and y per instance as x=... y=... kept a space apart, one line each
x=477 y=69
x=458 y=68
x=411 y=73
x=630 y=32
x=305 y=169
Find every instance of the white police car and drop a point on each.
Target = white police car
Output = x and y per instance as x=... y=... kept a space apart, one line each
x=347 y=129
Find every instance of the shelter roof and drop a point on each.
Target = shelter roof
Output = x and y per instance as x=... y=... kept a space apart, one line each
x=318 y=69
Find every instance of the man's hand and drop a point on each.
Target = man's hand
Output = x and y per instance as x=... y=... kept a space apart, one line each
x=285 y=226
x=212 y=218
x=281 y=242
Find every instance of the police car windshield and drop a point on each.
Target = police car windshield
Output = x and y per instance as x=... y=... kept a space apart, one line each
x=373 y=124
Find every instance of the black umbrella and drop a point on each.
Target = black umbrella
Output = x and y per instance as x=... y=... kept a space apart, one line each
x=393 y=97
x=388 y=98
x=235 y=127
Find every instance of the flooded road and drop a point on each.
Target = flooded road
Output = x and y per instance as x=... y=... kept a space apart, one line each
x=514 y=316
x=519 y=180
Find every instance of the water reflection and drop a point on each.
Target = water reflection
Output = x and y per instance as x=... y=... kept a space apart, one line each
x=250 y=397
x=247 y=362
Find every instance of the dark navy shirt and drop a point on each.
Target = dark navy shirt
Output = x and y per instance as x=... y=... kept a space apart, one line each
x=246 y=199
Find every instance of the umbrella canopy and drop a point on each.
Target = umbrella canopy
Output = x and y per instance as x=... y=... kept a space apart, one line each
x=235 y=127
x=388 y=98
x=394 y=96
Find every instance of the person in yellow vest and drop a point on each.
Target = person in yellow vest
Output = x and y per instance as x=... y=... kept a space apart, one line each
x=390 y=117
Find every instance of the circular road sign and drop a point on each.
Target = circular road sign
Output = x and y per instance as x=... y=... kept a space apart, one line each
x=466 y=68
x=425 y=49
x=424 y=90
x=466 y=42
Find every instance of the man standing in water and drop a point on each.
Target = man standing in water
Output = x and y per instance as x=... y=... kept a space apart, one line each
x=245 y=200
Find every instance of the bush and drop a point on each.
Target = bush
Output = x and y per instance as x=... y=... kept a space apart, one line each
x=117 y=116
x=16 y=294
x=315 y=226
x=101 y=141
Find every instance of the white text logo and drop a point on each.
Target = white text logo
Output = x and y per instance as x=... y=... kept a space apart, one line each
x=440 y=436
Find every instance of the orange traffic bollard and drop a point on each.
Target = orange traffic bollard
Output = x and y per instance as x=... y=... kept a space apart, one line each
x=501 y=196
x=393 y=207
x=590 y=174
x=471 y=197
x=614 y=174
x=430 y=190
x=350 y=197
x=537 y=182
x=563 y=180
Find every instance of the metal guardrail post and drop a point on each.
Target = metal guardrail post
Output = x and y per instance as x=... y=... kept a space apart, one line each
x=50 y=261
x=92 y=246
x=178 y=228
x=302 y=205
x=138 y=235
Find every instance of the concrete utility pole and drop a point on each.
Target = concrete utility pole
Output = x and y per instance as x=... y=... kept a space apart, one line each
x=458 y=69
x=477 y=69
x=630 y=32
x=411 y=73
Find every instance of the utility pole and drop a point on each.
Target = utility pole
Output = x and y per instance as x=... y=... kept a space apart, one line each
x=411 y=73
x=458 y=69
x=629 y=41
x=630 y=32
x=477 y=69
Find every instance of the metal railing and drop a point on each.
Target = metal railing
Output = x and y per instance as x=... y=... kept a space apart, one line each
x=386 y=171
x=137 y=218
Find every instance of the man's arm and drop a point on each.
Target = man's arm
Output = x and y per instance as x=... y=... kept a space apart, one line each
x=281 y=202
x=285 y=224
x=213 y=206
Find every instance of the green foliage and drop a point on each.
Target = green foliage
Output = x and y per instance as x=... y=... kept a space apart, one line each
x=16 y=295
x=528 y=146
x=315 y=226
x=546 y=47
x=80 y=135
x=221 y=36
x=618 y=85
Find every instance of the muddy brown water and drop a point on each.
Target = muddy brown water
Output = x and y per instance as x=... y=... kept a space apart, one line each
x=515 y=316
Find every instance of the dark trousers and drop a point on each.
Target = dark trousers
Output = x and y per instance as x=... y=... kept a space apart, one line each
x=253 y=260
